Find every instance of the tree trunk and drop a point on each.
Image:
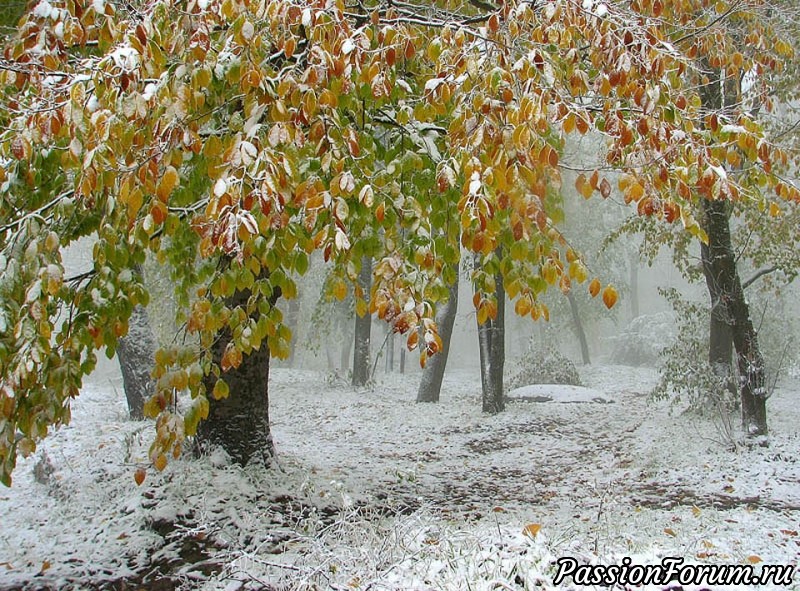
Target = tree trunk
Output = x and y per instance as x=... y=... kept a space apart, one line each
x=576 y=318
x=431 y=385
x=389 y=350
x=361 y=347
x=731 y=305
x=293 y=322
x=720 y=342
x=491 y=344
x=135 y=353
x=634 y=280
x=240 y=423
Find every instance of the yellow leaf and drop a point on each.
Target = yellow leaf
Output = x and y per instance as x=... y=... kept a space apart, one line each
x=339 y=290
x=532 y=529
x=609 y=297
x=221 y=390
x=774 y=210
x=669 y=531
x=167 y=183
x=583 y=186
x=160 y=462
x=45 y=565
x=361 y=307
x=696 y=511
x=483 y=314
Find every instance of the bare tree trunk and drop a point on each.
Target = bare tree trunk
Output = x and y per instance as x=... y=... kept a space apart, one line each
x=240 y=423
x=389 y=368
x=361 y=350
x=431 y=385
x=135 y=353
x=720 y=342
x=491 y=344
x=634 y=280
x=576 y=318
x=733 y=307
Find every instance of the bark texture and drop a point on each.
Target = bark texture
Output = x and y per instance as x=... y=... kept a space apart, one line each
x=240 y=423
x=581 y=334
x=728 y=304
x=361 y=346
x=491 y=344
x=430 y=386
x=730 y=307
x=135 y=353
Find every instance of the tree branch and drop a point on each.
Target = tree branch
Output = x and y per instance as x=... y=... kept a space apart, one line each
x=758 y=275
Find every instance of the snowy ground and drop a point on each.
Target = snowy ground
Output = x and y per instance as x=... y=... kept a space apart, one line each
x=374 y=491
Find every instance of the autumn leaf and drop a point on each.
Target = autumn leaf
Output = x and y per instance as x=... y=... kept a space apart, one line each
x=609 y=297
x=532 y=529
x=139 y=476
x=583 y=186
x=594 y=287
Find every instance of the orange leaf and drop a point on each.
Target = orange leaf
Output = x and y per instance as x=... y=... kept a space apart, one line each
x=609 y=297
x=167 y=184
x=160 y=462
x=532 y=529
x=754 y=559
x=139 y=475
x=594 y=287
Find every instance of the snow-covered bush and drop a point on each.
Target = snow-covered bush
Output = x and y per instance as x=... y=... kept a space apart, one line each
x=538 y=366
x=686 y=376
x=643 y=340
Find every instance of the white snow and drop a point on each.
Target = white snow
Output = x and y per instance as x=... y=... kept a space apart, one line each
x=558 y=393
x=376 y=491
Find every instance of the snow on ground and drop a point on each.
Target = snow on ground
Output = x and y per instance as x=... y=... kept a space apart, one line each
x=376 y=491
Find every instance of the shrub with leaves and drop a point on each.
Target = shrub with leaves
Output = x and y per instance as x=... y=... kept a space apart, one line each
x=544 y=366
x=686 y=374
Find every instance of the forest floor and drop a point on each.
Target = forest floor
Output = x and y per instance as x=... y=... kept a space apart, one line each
x=374 y=491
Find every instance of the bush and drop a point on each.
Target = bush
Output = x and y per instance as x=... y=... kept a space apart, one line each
x=544 y=367
x=686 y=376
x=643 y=340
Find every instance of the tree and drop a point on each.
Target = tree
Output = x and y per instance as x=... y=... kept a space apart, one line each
x=135 y=352
x=233 y=139
x=491 y=343
x=430 y=385
x=363 y=328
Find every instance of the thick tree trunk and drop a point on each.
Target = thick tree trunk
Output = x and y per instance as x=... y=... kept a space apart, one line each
x=361 y=343
x=491 y=344
x=240 y=423
x=431 y=385
x=576 y=318
x=135 y=353
x=731 y=307
x=720 y=342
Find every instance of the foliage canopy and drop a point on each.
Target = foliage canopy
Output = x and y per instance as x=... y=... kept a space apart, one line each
x=234 y=138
